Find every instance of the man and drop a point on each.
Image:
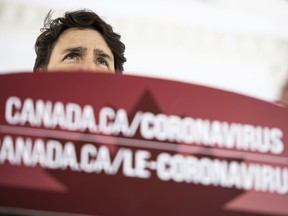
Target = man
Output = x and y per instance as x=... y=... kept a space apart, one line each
x=78 y=41
x=283 y=99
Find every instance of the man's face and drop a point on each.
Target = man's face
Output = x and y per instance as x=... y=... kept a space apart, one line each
x=284 y=97
x=81 y=50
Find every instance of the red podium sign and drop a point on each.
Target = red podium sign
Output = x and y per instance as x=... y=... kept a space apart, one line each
x=99 y=144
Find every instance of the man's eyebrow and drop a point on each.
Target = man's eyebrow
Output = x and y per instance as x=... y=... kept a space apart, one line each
x=99 y=52
x=74 y=49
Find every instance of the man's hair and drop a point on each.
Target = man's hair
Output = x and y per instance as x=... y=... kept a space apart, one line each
x=285 y=86
x=82 y=19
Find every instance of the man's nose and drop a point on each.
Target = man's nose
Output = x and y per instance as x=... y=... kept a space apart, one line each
x=88 y=65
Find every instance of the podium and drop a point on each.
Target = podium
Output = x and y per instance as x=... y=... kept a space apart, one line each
x=101 y=144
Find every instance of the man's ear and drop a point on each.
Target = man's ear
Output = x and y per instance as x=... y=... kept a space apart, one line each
x=39 y=70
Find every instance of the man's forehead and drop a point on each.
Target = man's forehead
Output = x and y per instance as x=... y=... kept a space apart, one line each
x=73 y=34
x=83 y=38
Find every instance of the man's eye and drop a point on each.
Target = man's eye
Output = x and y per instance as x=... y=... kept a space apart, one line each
x=71 y=56
x=102 y=62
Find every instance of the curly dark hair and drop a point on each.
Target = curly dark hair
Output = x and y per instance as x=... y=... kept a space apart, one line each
x=76 y=19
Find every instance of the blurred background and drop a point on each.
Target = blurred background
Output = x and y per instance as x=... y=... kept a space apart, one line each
x=235 y=45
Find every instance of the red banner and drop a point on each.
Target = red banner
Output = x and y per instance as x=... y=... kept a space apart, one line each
x=101 y=144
